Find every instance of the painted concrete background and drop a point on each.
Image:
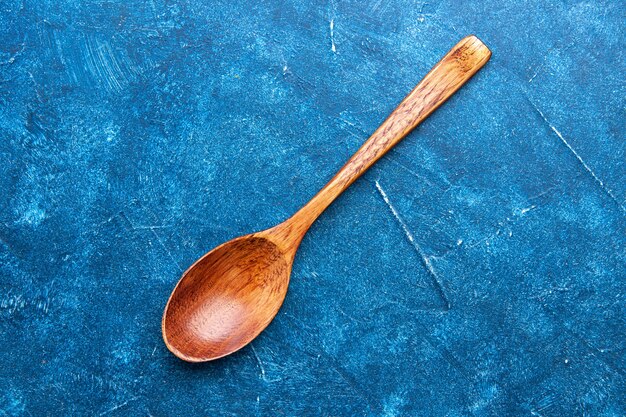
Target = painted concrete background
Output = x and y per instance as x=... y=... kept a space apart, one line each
x=478 y=269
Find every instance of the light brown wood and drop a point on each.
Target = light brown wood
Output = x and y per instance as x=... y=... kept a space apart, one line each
x=225 y=299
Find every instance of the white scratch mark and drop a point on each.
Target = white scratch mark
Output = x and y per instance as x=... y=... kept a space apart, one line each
x=333 y=47
x=258 y=360
x=426 y=259
x=260 y=363
x=152 y=229
x=133 y=227
x=117 y=407
x=349 y=123
x=103 y=65
x=582 y=162
x=164 y=226
x=385 y=197
x=412 y=172
x=530 y=80
x=262 y=367
x=541 y=66
x=39 y=301
x=166 y=249
x=347 y=315
x=376 y=5
x=522 y=211
x=331 y=24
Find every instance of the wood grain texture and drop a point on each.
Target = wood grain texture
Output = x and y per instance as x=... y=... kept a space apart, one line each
x=225 y=298
x=232 y=293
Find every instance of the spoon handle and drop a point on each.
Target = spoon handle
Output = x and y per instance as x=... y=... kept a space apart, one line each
x=443 y=80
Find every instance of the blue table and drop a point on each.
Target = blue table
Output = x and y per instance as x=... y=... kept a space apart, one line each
x=478 y=269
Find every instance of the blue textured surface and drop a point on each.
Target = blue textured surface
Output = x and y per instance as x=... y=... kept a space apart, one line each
x=478 y=269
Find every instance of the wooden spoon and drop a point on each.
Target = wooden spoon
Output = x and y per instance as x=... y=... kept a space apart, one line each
x=231 y=294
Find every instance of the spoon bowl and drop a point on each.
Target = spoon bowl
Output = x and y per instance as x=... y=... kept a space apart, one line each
x=226 y=298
